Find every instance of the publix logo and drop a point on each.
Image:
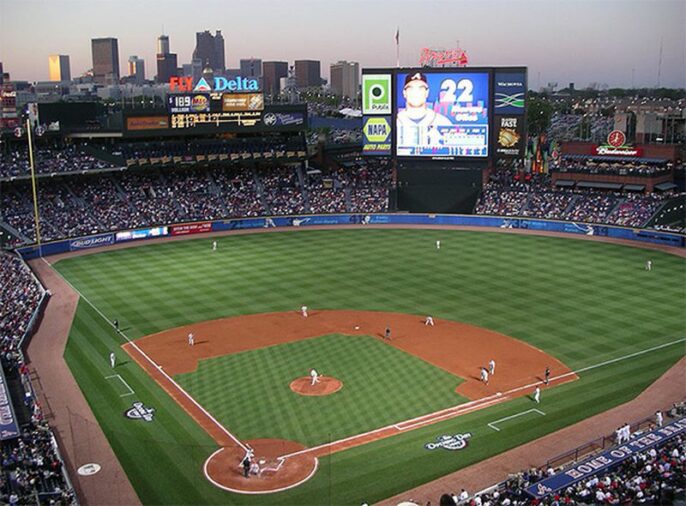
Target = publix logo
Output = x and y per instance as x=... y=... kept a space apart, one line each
x=450 y=442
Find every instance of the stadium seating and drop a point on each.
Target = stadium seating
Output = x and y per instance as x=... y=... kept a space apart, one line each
x=31 y=466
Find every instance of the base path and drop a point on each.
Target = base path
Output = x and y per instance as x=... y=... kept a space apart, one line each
x=458 y=348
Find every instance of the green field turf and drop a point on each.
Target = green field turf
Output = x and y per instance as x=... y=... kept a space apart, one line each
x=382 y=385
x=583 y=302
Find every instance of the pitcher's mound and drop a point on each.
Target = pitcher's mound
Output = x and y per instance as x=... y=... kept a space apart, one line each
x=326 y=386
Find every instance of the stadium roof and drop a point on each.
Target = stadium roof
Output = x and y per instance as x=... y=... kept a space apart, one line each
x=565 y=183
x=615 y=158
x=634 y=187
x=598 y=184
x=665 y=186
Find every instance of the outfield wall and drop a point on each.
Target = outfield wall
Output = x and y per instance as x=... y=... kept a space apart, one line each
x=99 y=240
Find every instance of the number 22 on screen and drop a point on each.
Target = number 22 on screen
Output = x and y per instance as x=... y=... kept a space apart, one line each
x=448 y=88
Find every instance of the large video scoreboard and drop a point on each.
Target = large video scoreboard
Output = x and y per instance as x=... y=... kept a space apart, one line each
x=444 y=114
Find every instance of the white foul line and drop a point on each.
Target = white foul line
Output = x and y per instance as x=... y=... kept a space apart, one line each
x=159 y=368
x=492 y=425
x=131 y=392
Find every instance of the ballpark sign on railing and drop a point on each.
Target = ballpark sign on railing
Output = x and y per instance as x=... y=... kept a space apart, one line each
x=606 y=460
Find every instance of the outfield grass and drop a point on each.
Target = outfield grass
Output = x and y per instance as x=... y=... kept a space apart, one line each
x=381 y=385
x=583 y=302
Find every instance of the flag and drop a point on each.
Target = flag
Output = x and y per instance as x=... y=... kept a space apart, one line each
x=397 y=36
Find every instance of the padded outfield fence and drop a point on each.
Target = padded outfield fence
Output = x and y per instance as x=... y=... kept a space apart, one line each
x=303 y=221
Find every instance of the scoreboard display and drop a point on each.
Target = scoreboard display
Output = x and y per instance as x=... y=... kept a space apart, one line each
x=476 y=113
x=442 y=114
x=189 y=103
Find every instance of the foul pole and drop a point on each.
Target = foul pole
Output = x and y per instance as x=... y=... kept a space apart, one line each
x=36 y=218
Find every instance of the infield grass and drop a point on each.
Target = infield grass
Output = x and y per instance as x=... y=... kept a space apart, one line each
x=581 y=301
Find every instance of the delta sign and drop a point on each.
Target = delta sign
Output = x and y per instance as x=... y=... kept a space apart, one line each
x=236 y=84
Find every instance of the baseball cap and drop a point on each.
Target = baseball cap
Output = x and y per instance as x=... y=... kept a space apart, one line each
x=416 y=76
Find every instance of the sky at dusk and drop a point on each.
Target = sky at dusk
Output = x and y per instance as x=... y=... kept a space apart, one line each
x=563 y=41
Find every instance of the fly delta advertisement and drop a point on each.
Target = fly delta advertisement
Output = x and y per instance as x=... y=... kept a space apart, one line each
x=442 y=114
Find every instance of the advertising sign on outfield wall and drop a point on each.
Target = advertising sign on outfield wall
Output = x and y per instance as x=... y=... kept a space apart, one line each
x=91 y=242
x=191 y=228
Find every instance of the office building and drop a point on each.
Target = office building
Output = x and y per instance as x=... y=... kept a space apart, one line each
x=209 y=49
x=136 y=70
x=308 y=73
x=251 y=67
x=167 y=62
x=272 y=73
x=345 y=78
x=58 y=67
x=105 y=60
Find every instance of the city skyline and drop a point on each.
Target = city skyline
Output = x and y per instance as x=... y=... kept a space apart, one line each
x=613 y=42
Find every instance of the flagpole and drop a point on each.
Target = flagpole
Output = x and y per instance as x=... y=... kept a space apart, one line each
x=397 y=47
x=33 y=185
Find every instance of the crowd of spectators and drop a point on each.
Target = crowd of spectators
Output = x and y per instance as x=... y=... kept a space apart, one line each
x=48 y=161
x=575 y=127
x=654 y=476
x=89 y=204
x=512 y=193
x=31 y=468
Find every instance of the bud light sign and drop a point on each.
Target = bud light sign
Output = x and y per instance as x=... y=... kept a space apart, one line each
x=91 y=242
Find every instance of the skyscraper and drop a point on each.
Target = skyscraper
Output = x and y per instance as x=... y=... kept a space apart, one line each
x=58 y=67
x=251 y=67
x=105 y=60
x=308 y=73
x=137 y=69
x=166 y=62
x=345 y=78
x=210 y=50
x=272 y=72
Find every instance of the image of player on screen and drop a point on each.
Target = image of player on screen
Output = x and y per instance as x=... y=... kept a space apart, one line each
x=416 y=113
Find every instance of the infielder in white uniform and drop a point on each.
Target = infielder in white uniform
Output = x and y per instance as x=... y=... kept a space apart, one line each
x=438 y=244
x=191 y=339
x=658 y=418
x=484 y=375
x=315 y=376
x=214 y=245
x=429 y=321
x=491 y=367
x=113 y=360
x=537 y=395
x=303 y=310
x=649 y=265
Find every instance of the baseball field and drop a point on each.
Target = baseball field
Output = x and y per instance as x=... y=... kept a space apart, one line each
x=590 y=310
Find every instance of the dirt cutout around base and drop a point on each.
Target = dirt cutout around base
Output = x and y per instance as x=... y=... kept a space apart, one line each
x=223 y=468
x=326 y=385
x=458 y=348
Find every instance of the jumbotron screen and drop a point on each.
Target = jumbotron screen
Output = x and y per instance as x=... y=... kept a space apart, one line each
x=442 y=114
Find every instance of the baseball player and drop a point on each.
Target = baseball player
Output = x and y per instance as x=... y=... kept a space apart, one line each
x=649 y=265
x=547 y=375
x=191 y=339
x=429 y=321
x=116 y=324
x=438 y=244
x=387 y=333
x=491 y=367
x=537 y=395
x=113 y=360
x=315 y=376
x=658 y=418
x=214 y=245
x=484 y=375
x=303 y=310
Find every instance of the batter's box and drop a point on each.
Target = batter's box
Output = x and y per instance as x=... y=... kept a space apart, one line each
x=494 y=425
